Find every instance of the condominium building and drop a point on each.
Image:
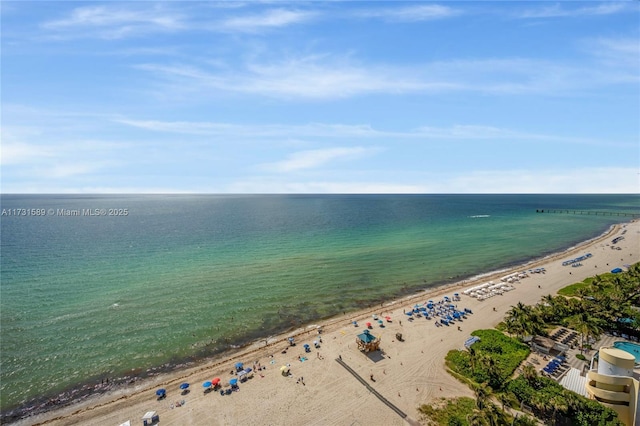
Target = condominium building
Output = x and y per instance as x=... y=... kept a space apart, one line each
x=614 y=384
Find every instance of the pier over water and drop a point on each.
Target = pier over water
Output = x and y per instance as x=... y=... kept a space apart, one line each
x=588 y=212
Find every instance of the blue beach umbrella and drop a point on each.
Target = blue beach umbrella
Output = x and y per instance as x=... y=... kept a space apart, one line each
x=184 y=386
x=206 y=384
x=239 y=365
x=161 y=392
x=233 y=382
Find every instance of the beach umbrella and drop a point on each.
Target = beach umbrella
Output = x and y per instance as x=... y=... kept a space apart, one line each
x=355 y=323
x=239 y=365
x=206 y=384
x=233 y=382
x=161 y=392
x=368 y=324
x=184 y=386
x=410 y=313
x=387 y=318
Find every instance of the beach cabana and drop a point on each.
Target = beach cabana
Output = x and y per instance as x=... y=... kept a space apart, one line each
x=367 y=342
x=245 y=374
x=150 y=418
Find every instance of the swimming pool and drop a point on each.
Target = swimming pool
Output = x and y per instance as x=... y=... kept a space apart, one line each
x=632 y=348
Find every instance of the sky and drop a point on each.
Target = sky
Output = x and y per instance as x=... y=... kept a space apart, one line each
x=320 y=97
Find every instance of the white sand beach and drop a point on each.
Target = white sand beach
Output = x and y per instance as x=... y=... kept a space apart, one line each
x=407 y=373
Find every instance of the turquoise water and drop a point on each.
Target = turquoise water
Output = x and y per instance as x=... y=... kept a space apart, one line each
x=180 y=278
x=632 y=348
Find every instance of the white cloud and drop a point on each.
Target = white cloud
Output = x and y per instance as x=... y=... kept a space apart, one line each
x=298 y=78
x=425 y=12
x=315 y=158
x=274 y=186
x=270 y=19
x=621 y=55
x=325 y=77
x=557 y=11
x=114 y=22
x=596 y=180
x=352 y=132
x=21 y=153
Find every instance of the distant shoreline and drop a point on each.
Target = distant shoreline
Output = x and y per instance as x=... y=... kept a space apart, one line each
x=83 y=394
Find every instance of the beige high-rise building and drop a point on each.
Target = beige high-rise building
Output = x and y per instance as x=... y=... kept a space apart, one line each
x=614 y=384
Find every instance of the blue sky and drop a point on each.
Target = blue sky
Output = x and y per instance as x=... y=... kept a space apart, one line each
x=320 y=97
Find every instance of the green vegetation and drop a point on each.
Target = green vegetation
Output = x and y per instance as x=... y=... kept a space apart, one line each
x=572 y=290
x=493 y=359
x=449 y=411
x=595 y=305
x=557 y=405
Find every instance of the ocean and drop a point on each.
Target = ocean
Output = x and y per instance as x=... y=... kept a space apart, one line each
x=122 y=286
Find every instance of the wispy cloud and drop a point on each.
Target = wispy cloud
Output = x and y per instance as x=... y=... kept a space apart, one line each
x=273 y=18
x=416 y=13
x=323 y=77
x=618 y=53
x=112 y=22
x=354 y=132
x=318 y=157
x=596 y=180
x=558 y=11
x=306 y=78
x=20 y=153
x=268 y=185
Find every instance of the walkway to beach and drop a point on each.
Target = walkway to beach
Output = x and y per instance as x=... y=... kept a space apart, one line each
x=377 y=394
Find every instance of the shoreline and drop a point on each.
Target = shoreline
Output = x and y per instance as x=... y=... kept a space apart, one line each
x=257 y=348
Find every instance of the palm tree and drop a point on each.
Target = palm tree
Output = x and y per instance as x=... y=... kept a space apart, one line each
x=523 y=319
x=529 y=373
x=587 y=325
x=504 y=399
x=524 y=420
x=482 y=395
x=559 y=404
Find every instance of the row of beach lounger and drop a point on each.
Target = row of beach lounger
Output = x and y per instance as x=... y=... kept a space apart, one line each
x=556 y=367
x=567 y=336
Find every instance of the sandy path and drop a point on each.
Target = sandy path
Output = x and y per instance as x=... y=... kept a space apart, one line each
x=408 y=374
